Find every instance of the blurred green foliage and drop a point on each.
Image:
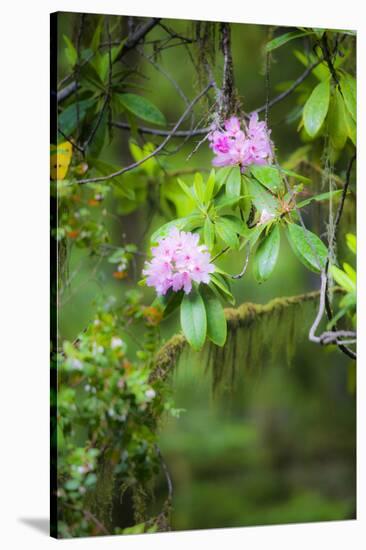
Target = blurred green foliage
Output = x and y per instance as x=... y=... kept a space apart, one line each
x=277 y=447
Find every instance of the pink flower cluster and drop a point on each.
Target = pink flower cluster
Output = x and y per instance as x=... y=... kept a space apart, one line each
x=234 y=145
x=177 y=261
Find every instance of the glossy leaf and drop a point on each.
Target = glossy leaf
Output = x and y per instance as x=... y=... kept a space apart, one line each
x=236 y=225
x=307 y=246
x=337 y=126
x=210 y=186
x=225 y=202
x=351 y=242
x=142 y=108
x=198 y=186
x=316 y=108
x=266 y=255
x=261 y=198
x=295 y=175
x=350 y=271
x=318 y=198
x=233 y=182
x=269 y=176
x=76 y=112
x=349 y=91
x=226 y=232
x=70 y=51
x=343 y=279
x=222 y=286
x=193 y=319
x=188 y=223
x=209 y=233
x=351 y=127
x=284 y=38
x=216 y=322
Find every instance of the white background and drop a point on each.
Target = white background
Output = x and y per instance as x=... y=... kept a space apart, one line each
x=24 y=296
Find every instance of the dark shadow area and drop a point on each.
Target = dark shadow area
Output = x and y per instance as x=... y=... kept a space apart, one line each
x=40 y=524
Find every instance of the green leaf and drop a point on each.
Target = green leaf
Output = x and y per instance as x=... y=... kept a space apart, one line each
x=295 y=175
x=209 y=233
x=350 y=271
x=269 y=176
x=225 y=231
x=351 y=128
x=97 y=143
x=189 y=222
x=351 y=242
x=337 y=126
x=261 y=198
x=222 y=175
x=116 y=50
x=233 y=182
x=321 y=71
x=210 y=186
x=71 y=52
x=142 y=108
x=188 y=191
x=150 y=165
x=198 y=187
x=321 y=197
x=309 y=249
x=121 y=183
x=349 y=91
x=68 y=119
x=72 y=484
x=193 y=319
x=266 y=255
x=254 y=235
x=284 y=38
x=216 y=322
x=225 y=202
x=172 y=302
x=222 y=285
x=236 y=225
x=94 y=45
x=316 y=108
x=343 y=279
x=91 y=76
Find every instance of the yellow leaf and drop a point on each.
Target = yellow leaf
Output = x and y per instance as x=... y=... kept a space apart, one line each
x=60 y=160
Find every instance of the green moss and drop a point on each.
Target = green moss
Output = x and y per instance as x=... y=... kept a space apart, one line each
x=256 y=333
x=100 y=500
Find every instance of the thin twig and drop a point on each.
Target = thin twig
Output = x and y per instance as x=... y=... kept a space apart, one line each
x=289 y=90
x=158 y=149
x=206 y=130
x=107 y=95
x=166 y=472
x=139 y=34
x=242 y=273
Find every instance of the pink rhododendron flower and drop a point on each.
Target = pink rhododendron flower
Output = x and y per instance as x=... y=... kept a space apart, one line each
x=234 y=145
x=177 y=261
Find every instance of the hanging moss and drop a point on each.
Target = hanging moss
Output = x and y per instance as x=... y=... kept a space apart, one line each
x=100 y=500
x=256 y=333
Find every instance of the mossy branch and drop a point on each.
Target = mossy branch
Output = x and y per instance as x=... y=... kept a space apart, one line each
x=255 y=331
